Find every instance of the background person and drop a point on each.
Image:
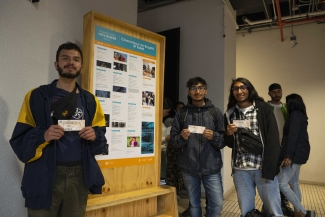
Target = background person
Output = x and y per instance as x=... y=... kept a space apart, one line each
x=168 y=121
x=167 y=106
x=295 y=152
x=281 y=115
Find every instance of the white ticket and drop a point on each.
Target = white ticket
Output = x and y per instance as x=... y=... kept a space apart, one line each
x=196 y=129
x=242 y=123
x=72 y=125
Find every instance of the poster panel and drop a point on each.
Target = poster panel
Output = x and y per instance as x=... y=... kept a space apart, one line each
x=124 y=81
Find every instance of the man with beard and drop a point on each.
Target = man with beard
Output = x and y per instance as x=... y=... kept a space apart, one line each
x=279 y=108
x=200 y=137
x=60 y=167
x=251 y=169
x=281 y=115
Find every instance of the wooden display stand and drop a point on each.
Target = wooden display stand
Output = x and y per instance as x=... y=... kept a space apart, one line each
x=132 y=190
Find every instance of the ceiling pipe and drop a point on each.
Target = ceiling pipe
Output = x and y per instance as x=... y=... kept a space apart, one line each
x=304 y=15
x=307 y=19
x=267 y=14
x=274 y=10
x=279 y=19
x=252 y=23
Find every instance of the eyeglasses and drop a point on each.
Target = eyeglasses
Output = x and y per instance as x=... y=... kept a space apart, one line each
x=200 y=88
x=242 y=88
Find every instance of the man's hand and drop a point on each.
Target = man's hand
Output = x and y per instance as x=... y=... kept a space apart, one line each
x=185 y=133
x=231 y=128
x=54 y=132
x=88 y=133
x=208 y=134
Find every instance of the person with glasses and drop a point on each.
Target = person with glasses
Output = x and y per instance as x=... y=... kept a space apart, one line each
x=247 y=110
x=200 y=141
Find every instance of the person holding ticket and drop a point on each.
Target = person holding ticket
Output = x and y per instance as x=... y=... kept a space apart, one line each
x=59 y=130
x=246 y=110
x=200 y=136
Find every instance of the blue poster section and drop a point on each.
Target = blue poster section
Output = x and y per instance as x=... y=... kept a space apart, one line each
x=124 y=41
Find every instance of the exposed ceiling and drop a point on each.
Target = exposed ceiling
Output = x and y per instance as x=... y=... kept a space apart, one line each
x=251 y=14
x=262 y=13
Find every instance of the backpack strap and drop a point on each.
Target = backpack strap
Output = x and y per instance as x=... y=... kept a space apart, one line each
x=182 y=117
x=213 y=113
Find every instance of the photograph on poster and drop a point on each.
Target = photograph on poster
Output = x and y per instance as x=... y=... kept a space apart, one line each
x=118 y=124
x=119 y=89
x=103 y=64
x=120 y=67
x=149 y=70
x=106 y=120
x=147 y=138
x=121 y=124
x=103 y=93
x=120 y=56
x=133 y=141
x=114 y=124
x=146 y=148
x=148 y=98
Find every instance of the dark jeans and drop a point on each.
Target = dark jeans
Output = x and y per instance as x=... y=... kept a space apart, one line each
x=69 y=194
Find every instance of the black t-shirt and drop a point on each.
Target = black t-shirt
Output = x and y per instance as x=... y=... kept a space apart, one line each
x=69 y=146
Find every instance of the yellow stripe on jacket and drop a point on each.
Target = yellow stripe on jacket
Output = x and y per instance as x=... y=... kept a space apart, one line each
x=26 y=117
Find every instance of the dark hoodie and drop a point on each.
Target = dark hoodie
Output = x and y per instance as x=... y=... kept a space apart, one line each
x=199 y=156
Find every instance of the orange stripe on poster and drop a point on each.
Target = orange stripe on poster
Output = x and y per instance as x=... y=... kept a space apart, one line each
x=125 y=50
x=125 y=162
x=148 y=61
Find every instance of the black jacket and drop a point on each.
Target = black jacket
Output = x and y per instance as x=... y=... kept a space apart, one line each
x=270 y=135
x=199 y=156
x=295 y=142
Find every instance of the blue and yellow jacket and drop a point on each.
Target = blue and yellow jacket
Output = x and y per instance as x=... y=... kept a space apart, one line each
x=39 y=156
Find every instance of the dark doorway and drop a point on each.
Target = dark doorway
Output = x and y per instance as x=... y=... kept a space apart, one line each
x=171 y=81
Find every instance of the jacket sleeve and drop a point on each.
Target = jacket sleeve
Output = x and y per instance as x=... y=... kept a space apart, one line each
x=27 y=140
x=175 y=133
x=271 y=145
x=219 y=132
x=98 y=124
x=293 y=135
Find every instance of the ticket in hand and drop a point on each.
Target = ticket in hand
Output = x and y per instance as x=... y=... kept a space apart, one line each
x=72 y=125
x=196 y=129
x=242 y=123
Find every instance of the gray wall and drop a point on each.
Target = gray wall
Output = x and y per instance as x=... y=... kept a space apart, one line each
x=203 y=48
x=29 y=37
x=264 y=59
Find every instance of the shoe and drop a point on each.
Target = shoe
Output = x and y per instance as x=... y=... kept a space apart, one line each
x=299 y=214
x=186 y=213
x=286 y=209
x=311 y=213
x=263 y=210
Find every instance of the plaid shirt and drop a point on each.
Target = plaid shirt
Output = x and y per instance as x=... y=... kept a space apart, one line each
x=245 y=159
